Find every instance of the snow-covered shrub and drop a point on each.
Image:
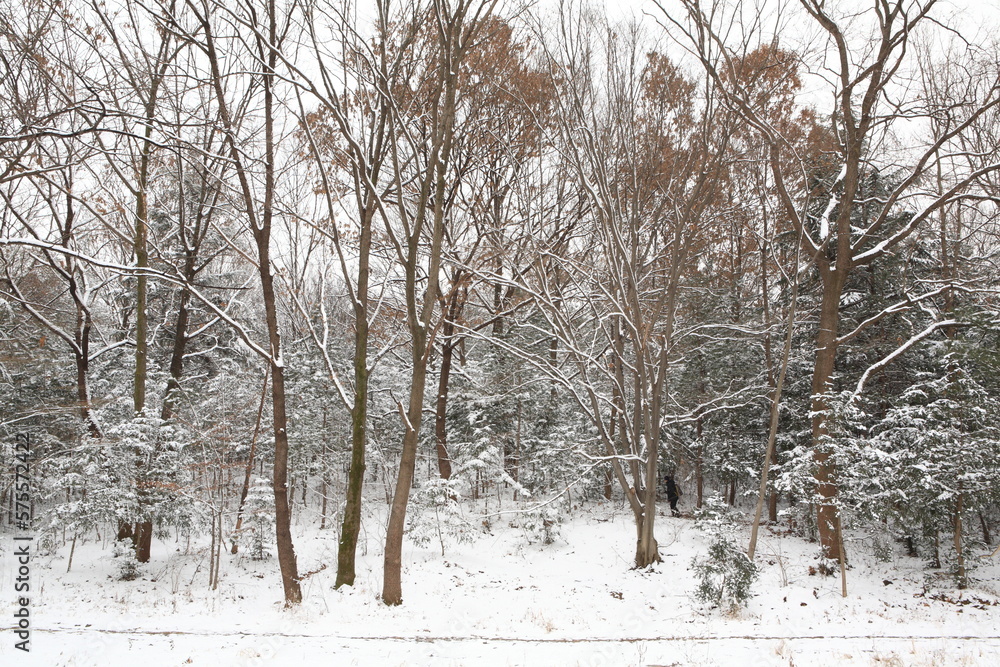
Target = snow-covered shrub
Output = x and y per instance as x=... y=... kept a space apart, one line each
x=125 y=560
x=133 y=474
x=882 y=547
x=542 y=524
x=725 y=575
x=435 y=513
x=714 y=516
x=257 y=531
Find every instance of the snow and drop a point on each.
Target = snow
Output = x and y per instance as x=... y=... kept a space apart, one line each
x=501 y=600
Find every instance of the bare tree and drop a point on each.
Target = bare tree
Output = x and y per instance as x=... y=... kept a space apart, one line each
x=647 y=160
x=133 y=76
x=862 y=58
x=257 y=30
x=349 y=136
x=419 y=215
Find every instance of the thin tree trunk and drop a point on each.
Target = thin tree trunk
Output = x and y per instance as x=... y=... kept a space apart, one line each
x=250 y=461
x=419 y=324
x=145 y=526
x=699 y=477
x=82 y=390
x=454 y=35
x=773 y=427
x=261 y=230
x=961 y=577
x=167 y=411
x=515 y=470
x=218 y=552
x=392 y=593
x=441 y=406
x=282 y=510
x=351 y=525
x=842 y=559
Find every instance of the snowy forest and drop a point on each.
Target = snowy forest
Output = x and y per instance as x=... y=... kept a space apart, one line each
x=396 y=277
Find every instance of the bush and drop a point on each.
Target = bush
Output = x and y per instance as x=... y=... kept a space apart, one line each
x=125 y=560
x=435 y=513
x=725 y=576
x=542 y=524
x=257 y=532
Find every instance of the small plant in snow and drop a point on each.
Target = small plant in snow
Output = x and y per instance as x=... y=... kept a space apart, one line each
x=542 y=525
x=125 y=560
x=882 y=548
x=436 y=514
x=257 y=531
x=725 y=575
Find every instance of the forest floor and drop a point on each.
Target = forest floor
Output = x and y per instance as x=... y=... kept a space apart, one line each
x=504 y=599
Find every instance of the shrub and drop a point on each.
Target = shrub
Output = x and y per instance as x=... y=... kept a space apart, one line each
x=725 y=576
x=125 y=560
x=542 y=525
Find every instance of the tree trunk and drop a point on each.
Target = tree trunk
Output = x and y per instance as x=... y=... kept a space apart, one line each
x=453 y=33
x=167 y=411
x=141 y=326
x=699 y=478
x=648 y=551
x=351 y=524
x=392 y=592
x=441 y=407
x=144 y=532
x=82 y=359
x=282 y=510
x=826 y=355
x=262 y=237
x=419 y=324
x=249 y=467
x=961 y=577
x=515 y=469
x=453 y=310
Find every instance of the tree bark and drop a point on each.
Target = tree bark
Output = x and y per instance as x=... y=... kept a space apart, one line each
x=260 y=227
x=962 y=580
x=351 y=525
x=250 y=461
x=826 y=355
x=448 y=343
x=144 y=535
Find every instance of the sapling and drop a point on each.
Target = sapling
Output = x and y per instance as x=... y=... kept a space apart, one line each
x=725 y=575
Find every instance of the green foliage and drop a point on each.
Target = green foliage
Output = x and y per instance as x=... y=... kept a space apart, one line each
x=133 y=474
x=125 y=561
x=256 y=534
x=725 y=575
x=435 y=513
x=914 y=460
x=542 y=525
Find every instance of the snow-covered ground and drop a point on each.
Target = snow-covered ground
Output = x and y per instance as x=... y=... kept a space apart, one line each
x=500 y=600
